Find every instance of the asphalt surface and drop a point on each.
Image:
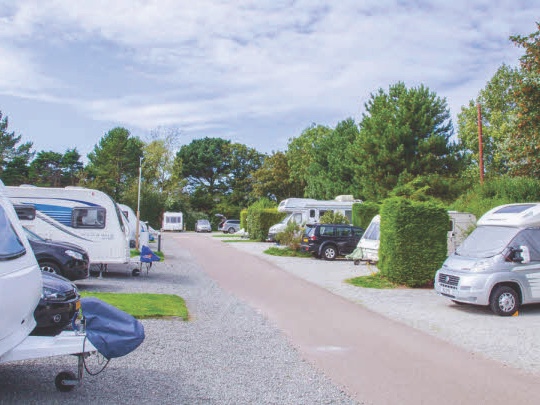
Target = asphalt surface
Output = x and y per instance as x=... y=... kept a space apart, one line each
x=378 y=360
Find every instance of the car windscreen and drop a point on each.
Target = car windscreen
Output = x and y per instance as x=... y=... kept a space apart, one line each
x=486 y=241
x=11 y=245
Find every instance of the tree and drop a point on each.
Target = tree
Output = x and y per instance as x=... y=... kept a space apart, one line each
x=332 y=167
x=273 y=179
x=46 y=169
x=114 y=162
x=498 y=106
x=524 y=147
x=12 y=156
x=71 y=166
x=403 y=132
x=244 y=162
x=300 y=154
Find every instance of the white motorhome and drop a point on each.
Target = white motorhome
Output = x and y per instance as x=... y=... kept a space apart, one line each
x=173 y=221
x=132 y=223
x=308 y=211
x=459 y=227
x=86 y=217
x=20 y=279
x=498 y=264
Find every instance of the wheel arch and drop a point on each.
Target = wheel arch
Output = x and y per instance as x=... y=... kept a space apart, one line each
x=512 y=284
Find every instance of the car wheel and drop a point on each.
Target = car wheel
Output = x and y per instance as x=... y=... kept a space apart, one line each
x=231 y=230
x=329 y=252
x=50 y=267
x=504 y=301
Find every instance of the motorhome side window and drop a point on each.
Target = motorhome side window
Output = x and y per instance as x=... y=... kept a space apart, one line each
x=297 y=218
x=312 y=213
x=531 y=239
x=88 y=217
x=11 y=246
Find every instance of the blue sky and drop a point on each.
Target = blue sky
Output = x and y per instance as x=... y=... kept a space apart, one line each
x=254 y=72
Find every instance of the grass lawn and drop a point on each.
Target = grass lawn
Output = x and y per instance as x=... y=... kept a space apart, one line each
x=144 y=305
x=372 y=281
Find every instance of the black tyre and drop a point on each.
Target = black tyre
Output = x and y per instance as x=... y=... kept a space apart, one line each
x=329 y=252
x=135 y=272
x=504 y=301
x=50 y=267
x=231 y=230
x=61 y=381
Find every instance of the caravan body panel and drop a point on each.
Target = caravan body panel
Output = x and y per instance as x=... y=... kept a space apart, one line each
x=89 y=218
x=20 y=279
x=131 y=218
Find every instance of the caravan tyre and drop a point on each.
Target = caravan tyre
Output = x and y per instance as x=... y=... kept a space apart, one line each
x=50 y=267
x=504 y=301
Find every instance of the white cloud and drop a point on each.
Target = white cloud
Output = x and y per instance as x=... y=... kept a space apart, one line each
x=210 y=64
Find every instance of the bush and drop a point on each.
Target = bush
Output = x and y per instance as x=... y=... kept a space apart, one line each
x=291 y=236
x=363 y=213
x=330 y=217
x=413 y=241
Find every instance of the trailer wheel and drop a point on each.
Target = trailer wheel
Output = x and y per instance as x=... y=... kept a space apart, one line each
x=504 y=301
x=65 y=381
x=135 y=272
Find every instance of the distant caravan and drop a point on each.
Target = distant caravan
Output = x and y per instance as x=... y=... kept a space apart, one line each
x=173 y=221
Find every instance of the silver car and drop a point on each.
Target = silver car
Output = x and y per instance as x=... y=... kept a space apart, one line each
x=203 y=225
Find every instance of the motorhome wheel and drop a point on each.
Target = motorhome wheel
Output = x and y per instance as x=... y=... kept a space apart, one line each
x=504 y=301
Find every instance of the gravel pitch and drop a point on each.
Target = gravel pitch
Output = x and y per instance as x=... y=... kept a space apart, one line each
x=226 y=354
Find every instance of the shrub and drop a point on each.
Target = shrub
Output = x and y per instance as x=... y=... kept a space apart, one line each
x=330 y=217
x=291 y=236
x=363 y=213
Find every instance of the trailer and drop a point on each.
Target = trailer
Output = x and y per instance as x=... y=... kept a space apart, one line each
x=173 y=221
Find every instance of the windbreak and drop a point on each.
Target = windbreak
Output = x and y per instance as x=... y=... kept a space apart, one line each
x=11 y=246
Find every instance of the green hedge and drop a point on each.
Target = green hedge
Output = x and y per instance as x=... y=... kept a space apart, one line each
x=413 y=241
x=363 y=213
x=243 y=220
x=259 y=222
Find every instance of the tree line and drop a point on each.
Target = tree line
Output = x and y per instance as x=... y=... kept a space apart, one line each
x=403 y=145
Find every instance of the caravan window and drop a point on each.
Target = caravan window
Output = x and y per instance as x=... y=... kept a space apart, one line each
x=88 y=217
x=11 y=245
x=26 y=212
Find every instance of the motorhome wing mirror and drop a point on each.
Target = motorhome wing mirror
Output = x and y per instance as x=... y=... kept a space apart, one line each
x=525 y=254
x=518 y=254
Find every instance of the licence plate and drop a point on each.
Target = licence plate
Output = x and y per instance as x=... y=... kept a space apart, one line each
x=305 y=240
x=448 y=291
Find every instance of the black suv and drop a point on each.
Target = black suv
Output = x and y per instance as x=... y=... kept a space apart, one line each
x=327 y=241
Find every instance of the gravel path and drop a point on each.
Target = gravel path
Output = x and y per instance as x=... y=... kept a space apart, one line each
x=514 y=341
x=226 y=354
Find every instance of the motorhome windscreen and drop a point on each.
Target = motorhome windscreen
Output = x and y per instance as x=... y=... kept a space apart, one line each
x=486 y=241
x=11 y=246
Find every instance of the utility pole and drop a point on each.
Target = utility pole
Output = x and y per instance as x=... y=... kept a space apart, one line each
x=480 y=144
x=137 y=232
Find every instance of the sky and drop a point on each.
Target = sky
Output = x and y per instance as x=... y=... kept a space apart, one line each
x=253 y=72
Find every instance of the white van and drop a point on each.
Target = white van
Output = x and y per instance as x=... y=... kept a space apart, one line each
x=498 y=264
x=308 y=211
x=460 y=226
x=86 y=217
x=20 y=279
x=173 y=221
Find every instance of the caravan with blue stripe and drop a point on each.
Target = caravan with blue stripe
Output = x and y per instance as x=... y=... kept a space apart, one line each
x=86 y=217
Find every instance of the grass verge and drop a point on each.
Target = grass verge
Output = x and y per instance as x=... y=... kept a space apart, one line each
x=372 y=281
x=286 y=252
x=144 y=305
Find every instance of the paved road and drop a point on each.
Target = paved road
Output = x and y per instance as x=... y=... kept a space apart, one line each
x=378 y=360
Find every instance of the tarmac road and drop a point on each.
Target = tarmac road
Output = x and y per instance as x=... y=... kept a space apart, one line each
x=376 y=359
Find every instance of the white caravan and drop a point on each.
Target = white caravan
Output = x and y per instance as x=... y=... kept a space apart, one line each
x=86 y=217
x=498 y=264
x=308 y=211
x=132 y=223
x=461 y=223
x=173 y=221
